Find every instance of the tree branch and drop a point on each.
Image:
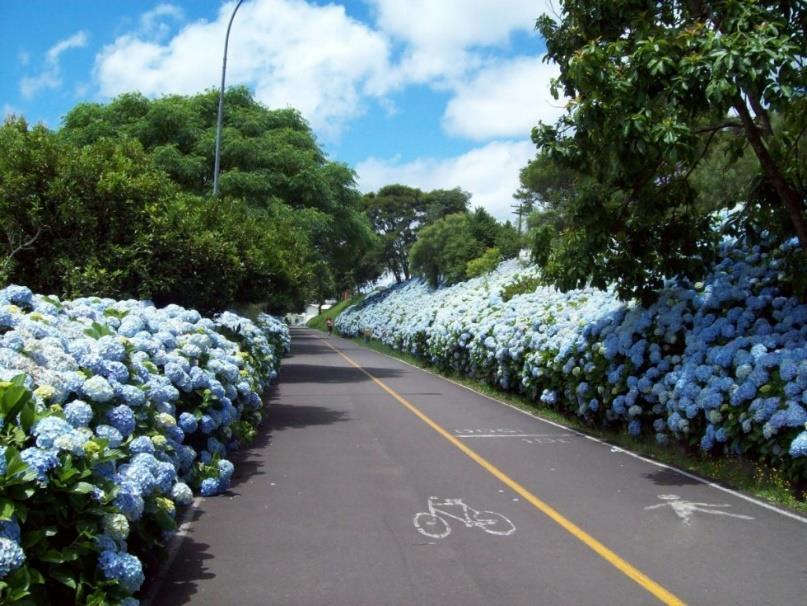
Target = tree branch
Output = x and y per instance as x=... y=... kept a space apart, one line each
x=703 y=153
x=718 y=127
x=21 y=246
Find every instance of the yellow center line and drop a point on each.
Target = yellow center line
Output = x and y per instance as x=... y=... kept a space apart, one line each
x=612 y=558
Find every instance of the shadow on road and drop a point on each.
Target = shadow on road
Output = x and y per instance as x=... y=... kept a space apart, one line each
x=189 y=562
x=284 y=416
x=249 y=461
x=669 y=477
x=311 y=373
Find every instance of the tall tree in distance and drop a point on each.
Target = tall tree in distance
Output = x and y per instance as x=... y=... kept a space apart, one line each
x=651 y=84
x=394 y=212
x=398 y=212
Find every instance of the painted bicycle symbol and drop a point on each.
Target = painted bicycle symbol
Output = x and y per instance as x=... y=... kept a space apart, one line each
x=434 y=523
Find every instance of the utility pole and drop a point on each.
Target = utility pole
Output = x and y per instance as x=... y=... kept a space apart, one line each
x=220 y=116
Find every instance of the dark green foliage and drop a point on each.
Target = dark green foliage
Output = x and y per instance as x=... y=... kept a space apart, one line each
x=666 y=99
x=117 y=204
x=398 y=212
x=522 y=285
x=461 y=245
x=444 y=248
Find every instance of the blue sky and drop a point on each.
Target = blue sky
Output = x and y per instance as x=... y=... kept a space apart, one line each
x=426 y=93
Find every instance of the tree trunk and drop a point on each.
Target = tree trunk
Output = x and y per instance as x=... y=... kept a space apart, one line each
x=790 y=197
x=761 y=114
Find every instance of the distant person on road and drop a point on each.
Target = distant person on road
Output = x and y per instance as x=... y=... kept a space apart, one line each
x=329 y=324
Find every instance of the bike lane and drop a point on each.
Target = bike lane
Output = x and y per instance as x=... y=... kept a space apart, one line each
x=704 y=544
x=323 y=509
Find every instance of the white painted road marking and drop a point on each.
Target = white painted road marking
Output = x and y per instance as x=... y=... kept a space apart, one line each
x=433 y=523
x=535 y=417
x=685 y=509
x=542 y=440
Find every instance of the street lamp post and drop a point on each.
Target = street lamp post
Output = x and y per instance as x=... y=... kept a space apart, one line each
x=220 y=116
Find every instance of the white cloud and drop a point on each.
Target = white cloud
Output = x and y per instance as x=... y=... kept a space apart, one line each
x=439 y=35
x=504 y=100
x=77 y=40
x=489 y=173
x=50 y=77
x=31 y=85
x=454 y=23
x=314 y=58
x=153 y=23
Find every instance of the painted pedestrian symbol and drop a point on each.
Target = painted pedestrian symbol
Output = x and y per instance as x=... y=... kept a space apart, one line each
x=685 y=509
x=434 y=523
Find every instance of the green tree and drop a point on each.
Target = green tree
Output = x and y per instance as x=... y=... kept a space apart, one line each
x=28 y=165
x=101 y=219
x=443 y=249
x=650 y=84
x=268 y=156
x=485 y=264
x=441 y=202
x=394 y=212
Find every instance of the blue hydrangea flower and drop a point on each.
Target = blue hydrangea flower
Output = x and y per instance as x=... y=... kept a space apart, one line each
x=207 y=424
x=176 y=434
x=98 y=389
x=110 y=434
x=48 y=429
x=41 y=461
x=226 y=469
x=214 y=446
x=165 y=476
x=78 y=413
x=181 y=493
x=124 y=568
x=129 y=501
x=209 y=487
x=132 y=396
x=798 y=447
x=122 y=418
x=106 y=543
x=10 y=529
x=187 y=422
x=141 y=444
x=11 y=556
x=17 y=295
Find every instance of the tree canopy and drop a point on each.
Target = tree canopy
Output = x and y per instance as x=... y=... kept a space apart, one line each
x=462 y=245
x=398 y=212
x=653 y=88
x=131 y=180
x=102 y=219
x=154 y=158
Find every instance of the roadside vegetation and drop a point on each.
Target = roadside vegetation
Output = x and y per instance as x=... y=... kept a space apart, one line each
x=318 y=322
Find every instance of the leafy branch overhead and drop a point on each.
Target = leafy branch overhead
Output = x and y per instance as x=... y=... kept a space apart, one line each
x=656 y=90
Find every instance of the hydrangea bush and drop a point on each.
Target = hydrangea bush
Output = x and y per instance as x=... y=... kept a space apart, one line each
x=719 y=365
x=112 y=413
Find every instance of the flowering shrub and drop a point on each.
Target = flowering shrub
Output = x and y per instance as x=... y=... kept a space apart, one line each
x=111 y=414
x=721 y=365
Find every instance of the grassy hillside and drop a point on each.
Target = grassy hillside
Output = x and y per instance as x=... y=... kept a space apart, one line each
x=318 y=322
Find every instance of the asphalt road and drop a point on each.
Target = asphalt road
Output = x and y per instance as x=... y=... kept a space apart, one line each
x=387 y=485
